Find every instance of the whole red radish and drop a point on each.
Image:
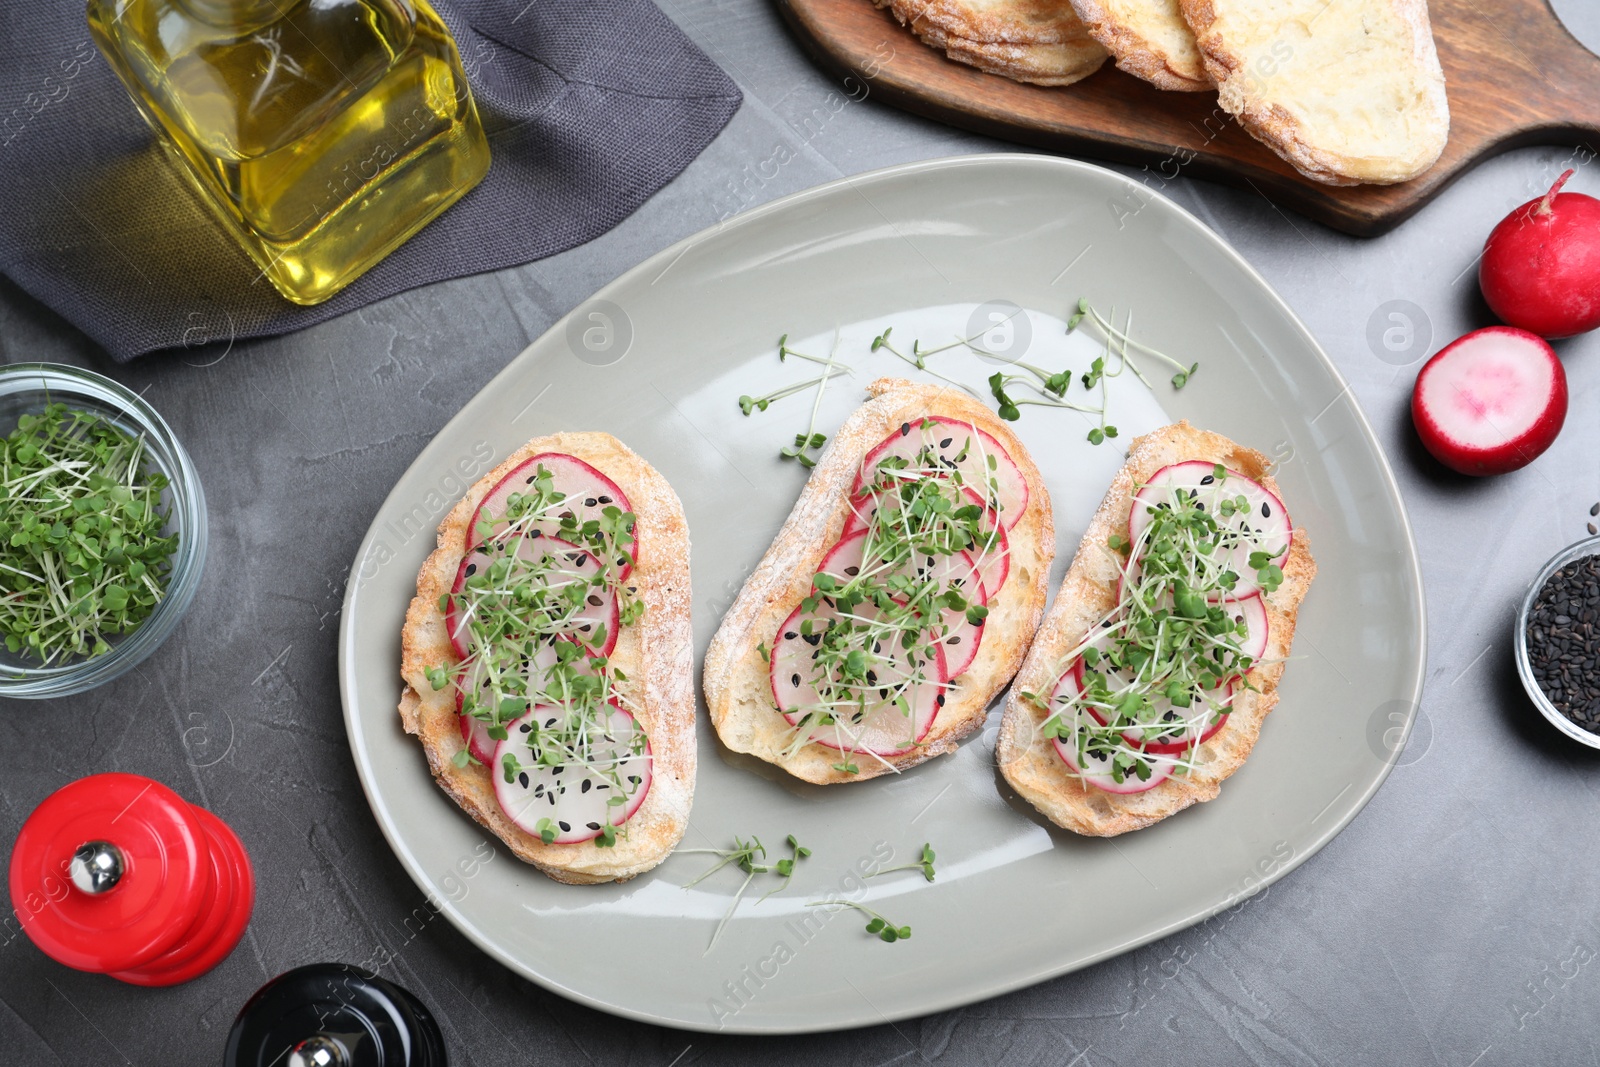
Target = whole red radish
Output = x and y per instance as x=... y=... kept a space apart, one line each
x=1491 y=401
x=1541 y=266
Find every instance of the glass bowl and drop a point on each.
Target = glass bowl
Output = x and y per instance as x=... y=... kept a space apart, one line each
x=25 y=388
x=1587 y=547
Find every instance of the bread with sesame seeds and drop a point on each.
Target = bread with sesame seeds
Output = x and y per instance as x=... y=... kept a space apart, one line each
x=1027 y=757
x=736 y=677
x=655 y=654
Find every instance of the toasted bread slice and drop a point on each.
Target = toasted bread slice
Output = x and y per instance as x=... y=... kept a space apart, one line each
x=1348 y=91
x=1041 y=42
x=736 y=684
x=1028 y=759
x=656 y=654
x=1149 y=39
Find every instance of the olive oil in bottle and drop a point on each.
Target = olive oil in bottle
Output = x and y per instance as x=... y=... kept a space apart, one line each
x=322 y=133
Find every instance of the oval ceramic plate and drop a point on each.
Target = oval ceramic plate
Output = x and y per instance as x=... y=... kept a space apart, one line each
x=658 y=358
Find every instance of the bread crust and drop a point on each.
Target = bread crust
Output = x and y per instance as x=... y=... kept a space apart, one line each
x=1346 y=88
x=1149 y=40
x=735 y=678
x=1029 y=761
x=656 y=654
x=1040 y=42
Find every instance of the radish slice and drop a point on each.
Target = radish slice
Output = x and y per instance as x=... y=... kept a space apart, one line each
x=1253 y=610
x=1170 y=728
x=574 y=796
x=474 y=730
x=587 y=494
x=570 y=564
x=1095 y=769
x=959 y=638
x=1490 y=402
x=1266 y=526
x=992 y=552
x=879 y=726
x=937 y=445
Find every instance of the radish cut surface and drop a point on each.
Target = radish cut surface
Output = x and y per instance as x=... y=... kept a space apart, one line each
x=575 y=795
x=474 y=684
x=992 y=553
x=960 y=638
x=1490 y=402
x=887 y=720
x=1264 y=525
x=567 y=565
x=1096 y=769
x=585 y=491
x=936 y=446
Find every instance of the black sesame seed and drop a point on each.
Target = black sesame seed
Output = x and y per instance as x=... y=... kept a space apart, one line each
x=522 y=779
x=1208 y=479
x=790 y=636
x=566 y=827
x=794 y=680
x=472 y=568
x=905 y=428
x=946 y=442
x=604 y=499
x=1266 y=510
x=586 y=786
x=592 y=825
x=591 y=502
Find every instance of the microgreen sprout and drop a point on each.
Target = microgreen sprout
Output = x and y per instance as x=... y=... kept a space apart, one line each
x=1179 y=379
x=876 y=924
x=811 y=440
x=918 y=359
x=784 y=868
x=749 y=404
x=82 y=552
x=925 y=865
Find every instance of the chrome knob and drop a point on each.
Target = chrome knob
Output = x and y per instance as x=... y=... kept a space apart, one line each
x=96 y=867
x=318 y=1050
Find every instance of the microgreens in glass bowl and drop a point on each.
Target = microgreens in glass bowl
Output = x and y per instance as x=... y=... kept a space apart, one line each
x=102 y=530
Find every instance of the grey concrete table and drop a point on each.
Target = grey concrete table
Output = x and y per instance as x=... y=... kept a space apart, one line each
x=1456 y=921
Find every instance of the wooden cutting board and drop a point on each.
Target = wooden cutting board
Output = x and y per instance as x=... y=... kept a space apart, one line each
x=1514 y=74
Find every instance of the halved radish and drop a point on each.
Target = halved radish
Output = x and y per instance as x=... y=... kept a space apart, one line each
x=1490 y=402
x=992 y=552
x=1264 y=524
x=958 y=637
x=1095 y=769
x=937 y=445
x=889 y=722
x=567 y=564
x=586 y=492
x=574 y=796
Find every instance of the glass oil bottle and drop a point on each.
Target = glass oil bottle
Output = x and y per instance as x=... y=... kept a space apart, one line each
x=322 y=133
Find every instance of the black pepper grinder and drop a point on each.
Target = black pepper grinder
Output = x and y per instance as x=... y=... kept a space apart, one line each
x=333 y=1015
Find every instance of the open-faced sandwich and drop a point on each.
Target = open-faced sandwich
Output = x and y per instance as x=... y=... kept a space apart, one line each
x=898 y=598
x=548 y=659
x=1149 y=680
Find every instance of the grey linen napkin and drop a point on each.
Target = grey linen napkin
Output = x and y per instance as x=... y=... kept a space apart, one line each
x=590 y=107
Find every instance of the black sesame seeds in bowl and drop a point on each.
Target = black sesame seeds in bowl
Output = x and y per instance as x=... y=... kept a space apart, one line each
x=1558 y=642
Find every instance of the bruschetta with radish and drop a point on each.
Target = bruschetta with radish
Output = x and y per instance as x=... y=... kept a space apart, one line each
x=898 y=598
x=1148 y=683
x=548 y=659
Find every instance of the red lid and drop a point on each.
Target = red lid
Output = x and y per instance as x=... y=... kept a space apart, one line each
x=223 y=922
x=165 y=881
